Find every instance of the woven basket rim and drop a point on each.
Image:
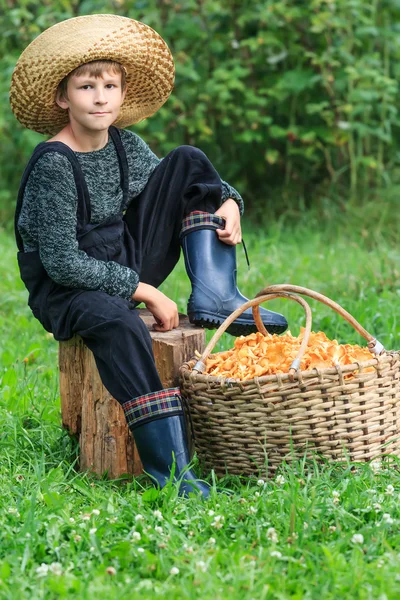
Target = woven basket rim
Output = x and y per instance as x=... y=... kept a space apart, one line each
x=282 y=377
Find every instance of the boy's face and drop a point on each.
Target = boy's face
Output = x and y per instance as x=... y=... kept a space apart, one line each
x=93 y=103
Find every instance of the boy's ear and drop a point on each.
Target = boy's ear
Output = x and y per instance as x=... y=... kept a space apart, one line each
x=60 y=100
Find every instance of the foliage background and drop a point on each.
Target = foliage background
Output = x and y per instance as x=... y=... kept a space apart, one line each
x=294 y=101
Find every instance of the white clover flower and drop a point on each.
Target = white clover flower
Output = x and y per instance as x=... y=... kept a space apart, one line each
x=112 y=571
x=139 y=518
x=256 y=494
x=276 y=554
x=211 y=513
x=332 y=528
x=357 y=538
x=19 y=477
x=377 y=506
x=71 y=520
x=336 y=497
x=174 y=571
x=77 y=538
x=211 y=541
x=201 y=566
x=280 y=480
x=28 y=535
x=272 y=535
x=85 y=517
x=136 y=536
x=93 y=530
x=252 y=509
x=95 y=512
x=218 y=522
x=386 y=518
x=371 y=491
x=158 y=515
x=389 y=490
x=261 y=483
x=158 y=529
x=56 y=568
x=140 y=550
x=375 y=466
x=42 y=570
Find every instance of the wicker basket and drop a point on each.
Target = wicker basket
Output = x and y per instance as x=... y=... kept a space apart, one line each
x=240 y=426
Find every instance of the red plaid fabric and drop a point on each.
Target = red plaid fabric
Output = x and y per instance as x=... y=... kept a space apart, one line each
x=142 y=409
x=201 y=220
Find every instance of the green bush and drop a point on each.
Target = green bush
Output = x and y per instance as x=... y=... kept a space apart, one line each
x=295 y=102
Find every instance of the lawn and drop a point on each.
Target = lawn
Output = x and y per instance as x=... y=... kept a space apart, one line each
x=315 y=531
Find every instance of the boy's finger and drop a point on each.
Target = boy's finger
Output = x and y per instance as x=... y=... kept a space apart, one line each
x=223 y=233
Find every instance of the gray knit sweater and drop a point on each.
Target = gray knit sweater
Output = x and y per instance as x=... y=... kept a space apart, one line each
x=48 y=220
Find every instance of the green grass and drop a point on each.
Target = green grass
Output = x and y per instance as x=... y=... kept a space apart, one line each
x=291 y=537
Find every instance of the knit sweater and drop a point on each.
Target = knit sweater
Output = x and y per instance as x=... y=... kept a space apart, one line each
x=48 y=218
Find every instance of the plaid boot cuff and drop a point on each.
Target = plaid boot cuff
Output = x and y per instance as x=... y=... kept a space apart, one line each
x=156 y=405
x=201 y=220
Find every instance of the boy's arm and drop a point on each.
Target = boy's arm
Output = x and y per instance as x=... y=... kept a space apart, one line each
x=229 y=191
x=53 y=184
x=142 y=162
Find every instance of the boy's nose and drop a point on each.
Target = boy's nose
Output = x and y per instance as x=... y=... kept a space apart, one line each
x=100 y=97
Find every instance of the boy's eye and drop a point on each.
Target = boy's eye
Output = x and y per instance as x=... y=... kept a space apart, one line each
x=87 y=85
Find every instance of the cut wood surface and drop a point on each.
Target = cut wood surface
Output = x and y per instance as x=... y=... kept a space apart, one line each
x=90 y=412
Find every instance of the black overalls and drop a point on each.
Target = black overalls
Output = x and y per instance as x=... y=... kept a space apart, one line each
x=145 y=238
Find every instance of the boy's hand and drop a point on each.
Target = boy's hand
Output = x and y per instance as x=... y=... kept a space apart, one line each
x=232 y=234
x=164 y=310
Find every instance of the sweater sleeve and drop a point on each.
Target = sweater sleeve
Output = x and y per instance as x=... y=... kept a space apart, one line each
x=141 y=161
x=229 y=191
x=52 y=183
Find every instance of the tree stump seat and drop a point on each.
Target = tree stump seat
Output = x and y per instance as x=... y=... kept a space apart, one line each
x=90 y=413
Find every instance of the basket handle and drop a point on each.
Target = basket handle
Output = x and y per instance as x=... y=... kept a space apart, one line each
x=287 y=291
x=373 y=344
x=200 y=366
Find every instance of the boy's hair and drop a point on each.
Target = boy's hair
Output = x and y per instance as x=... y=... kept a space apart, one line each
x=95 y=69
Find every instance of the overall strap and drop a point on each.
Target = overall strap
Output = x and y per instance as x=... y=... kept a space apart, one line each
x=83 y=209
x=123 y=163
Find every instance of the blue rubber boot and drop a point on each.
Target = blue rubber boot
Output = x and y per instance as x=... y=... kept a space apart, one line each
x=211 y=267
x=159 y=442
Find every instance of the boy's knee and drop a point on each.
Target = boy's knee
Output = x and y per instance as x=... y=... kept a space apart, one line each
x=188 y=152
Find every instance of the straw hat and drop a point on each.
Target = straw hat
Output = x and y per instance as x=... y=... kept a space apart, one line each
x=71 y=43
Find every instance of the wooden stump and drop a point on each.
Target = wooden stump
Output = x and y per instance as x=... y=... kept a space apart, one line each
x=90 y=412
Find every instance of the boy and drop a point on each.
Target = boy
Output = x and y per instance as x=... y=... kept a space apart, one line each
x=100 y=219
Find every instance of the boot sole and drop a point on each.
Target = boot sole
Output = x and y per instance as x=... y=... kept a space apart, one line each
x=236 y=329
